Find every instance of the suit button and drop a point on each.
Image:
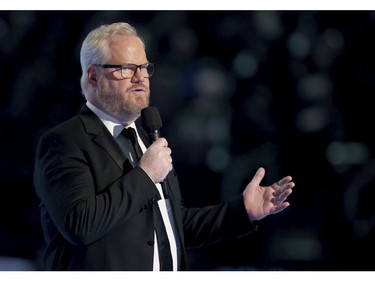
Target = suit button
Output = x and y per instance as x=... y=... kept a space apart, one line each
x=150 y=243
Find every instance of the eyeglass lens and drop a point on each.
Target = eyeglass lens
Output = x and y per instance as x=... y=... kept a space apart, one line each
x=146 y=70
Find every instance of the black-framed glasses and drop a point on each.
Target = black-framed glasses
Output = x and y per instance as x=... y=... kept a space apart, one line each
x=128 y=70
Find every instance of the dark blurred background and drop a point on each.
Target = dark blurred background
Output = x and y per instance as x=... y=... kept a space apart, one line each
x=291 y=91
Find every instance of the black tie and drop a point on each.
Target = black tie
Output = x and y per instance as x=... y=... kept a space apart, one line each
x=135 y=150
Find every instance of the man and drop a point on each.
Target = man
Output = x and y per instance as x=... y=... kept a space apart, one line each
x=101 y=209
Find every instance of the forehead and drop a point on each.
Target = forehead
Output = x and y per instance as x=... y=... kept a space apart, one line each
x=129 y=49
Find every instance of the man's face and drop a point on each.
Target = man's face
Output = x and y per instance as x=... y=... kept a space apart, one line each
x=122 y=98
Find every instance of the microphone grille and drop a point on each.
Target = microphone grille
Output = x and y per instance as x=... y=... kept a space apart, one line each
x=151 y=120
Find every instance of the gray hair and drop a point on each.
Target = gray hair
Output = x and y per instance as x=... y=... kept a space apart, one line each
x=95 y=47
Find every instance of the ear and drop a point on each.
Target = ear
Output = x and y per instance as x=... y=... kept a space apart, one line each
x=92 y=75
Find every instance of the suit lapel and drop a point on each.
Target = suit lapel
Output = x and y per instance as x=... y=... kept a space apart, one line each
x=103 y=138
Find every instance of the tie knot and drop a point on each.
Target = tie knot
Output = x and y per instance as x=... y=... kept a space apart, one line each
x=130 y=134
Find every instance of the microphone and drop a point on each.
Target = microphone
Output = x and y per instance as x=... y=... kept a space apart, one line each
x=152 y=124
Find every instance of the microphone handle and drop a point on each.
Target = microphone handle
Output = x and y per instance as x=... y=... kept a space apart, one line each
x=153 y=136
x=164 y=188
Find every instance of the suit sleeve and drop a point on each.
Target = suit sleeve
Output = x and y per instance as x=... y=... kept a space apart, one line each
x=66 y=179
x=211 y=224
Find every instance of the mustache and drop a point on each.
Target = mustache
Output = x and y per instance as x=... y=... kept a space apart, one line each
x=138 y=86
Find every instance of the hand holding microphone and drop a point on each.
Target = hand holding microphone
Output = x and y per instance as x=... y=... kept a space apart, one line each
x=157 y=160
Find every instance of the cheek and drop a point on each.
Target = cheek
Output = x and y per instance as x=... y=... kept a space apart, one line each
x=123 y=84
x=115 y=86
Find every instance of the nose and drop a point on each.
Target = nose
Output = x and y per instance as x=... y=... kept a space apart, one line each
x=138 y=76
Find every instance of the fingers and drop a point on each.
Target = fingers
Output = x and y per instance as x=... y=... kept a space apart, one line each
x=164 y=152
x=278 y=200
x=283 y=190
x=157 y=160
x=280 y=207
x=283 y=185
x=279 y=204
x=259 y=175
x=161 y=142
x=284 y=181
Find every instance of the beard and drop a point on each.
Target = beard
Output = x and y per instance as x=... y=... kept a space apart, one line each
x=124 y=106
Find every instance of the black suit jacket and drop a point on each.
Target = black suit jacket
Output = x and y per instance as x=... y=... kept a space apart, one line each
x=100 y=213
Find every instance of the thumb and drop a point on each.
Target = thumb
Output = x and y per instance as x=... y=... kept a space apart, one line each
x=259 y=175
